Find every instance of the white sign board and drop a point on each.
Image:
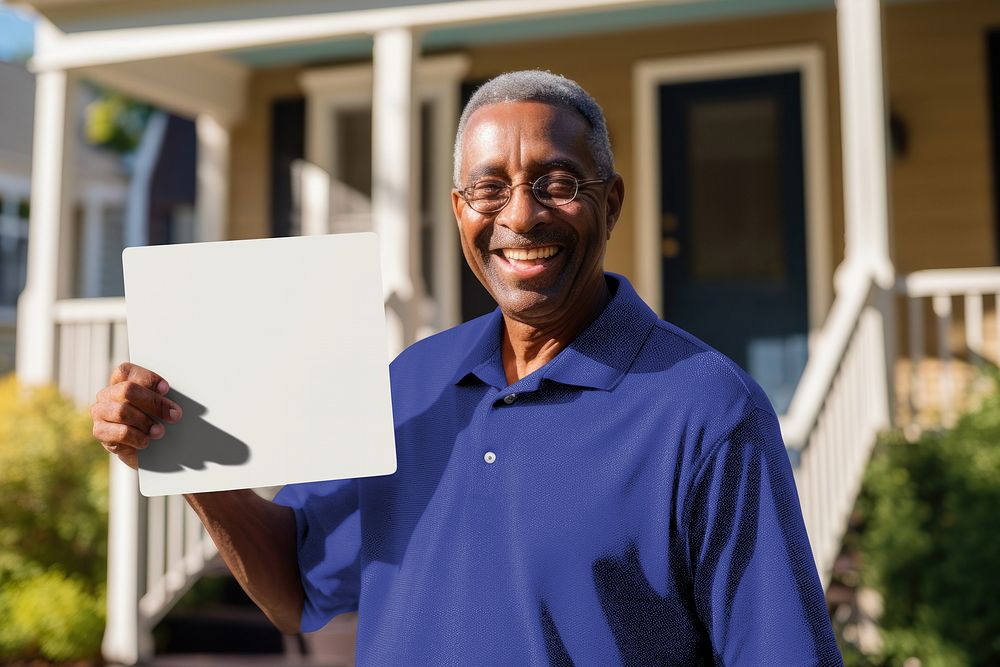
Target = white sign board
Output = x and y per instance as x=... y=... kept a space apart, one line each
x=276 y=351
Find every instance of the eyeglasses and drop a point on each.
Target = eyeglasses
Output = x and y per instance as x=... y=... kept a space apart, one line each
x=548 y=190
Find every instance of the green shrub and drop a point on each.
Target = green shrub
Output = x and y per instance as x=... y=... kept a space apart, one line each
x=931 y=542
x=53 y=527
x=53 y=615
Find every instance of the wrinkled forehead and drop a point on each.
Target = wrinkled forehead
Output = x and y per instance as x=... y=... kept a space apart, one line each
x=524 y=136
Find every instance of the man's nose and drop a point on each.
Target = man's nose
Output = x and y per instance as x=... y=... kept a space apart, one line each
x=523 y=211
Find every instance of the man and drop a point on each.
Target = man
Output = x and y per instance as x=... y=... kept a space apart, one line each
x=578 y=482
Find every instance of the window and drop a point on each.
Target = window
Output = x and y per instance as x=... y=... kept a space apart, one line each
x=14 y=212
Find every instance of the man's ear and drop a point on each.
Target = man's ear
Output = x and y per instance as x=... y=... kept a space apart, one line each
x=456 y=205
x=613 y=202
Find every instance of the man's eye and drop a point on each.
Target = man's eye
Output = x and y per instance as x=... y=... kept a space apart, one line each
x=488 y=190
x=560 y=186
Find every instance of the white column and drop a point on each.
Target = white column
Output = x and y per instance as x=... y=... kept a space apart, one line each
x=395 y=188
x=863 y=121
x=49 y=229
x=866 y=198
x=126 y=640
x=447 y=264
x=212 y=197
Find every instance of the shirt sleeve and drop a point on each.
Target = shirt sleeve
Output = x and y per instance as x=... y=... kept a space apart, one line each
x=755 y=584
x=328 y=529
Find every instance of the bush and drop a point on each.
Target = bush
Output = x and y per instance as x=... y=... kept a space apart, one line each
x=53 y=615
x=53 y=527
x=930 y=540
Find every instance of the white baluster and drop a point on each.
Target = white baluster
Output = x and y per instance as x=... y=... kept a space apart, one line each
x=942 y=310
x=156 y=531
x=916 y=332
x=974 y=324
x=175 y=543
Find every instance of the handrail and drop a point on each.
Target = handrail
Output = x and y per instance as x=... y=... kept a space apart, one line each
x=932 y=282
x=821 y=369
x=88 y=311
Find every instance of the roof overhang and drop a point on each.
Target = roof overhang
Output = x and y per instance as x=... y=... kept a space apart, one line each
x=87 y=34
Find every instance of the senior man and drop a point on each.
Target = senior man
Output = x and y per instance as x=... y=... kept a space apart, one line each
x=578 y=481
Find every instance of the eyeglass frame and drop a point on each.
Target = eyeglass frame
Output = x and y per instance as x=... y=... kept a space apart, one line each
x=464 y=192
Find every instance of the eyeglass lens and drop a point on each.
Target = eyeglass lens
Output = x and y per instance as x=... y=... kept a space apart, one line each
x=491 y=196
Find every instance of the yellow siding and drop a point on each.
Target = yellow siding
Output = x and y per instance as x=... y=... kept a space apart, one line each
x=942 y=200
x=250 y=168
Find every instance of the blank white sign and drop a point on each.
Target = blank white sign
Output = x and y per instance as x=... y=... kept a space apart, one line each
x=276 y=351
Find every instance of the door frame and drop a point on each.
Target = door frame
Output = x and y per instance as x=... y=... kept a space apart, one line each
x=648 y=75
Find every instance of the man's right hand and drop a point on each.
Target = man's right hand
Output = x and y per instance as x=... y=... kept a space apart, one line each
x=129 y=411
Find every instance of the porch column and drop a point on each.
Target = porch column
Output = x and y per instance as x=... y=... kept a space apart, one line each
x=863 y=122
x=395 y=185
x=866 y=198
x=49 y=229
x=127 y=639
x=212 y=196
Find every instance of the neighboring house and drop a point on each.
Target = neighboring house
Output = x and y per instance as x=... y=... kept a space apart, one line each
x=97 y=209
x=794 y=168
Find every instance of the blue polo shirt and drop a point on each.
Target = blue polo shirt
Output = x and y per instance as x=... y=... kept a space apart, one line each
x=630 y=503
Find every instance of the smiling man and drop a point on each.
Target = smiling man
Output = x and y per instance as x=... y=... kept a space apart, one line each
x=578 y=481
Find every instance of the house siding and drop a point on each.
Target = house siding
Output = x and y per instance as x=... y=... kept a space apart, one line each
x=250 y=184
x=941 y=192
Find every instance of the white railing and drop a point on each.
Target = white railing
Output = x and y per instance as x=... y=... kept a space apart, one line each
x=838 y=408
x=939 y=374
x=157 y=547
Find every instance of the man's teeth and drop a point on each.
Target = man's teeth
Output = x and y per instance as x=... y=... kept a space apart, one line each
x=530 y=253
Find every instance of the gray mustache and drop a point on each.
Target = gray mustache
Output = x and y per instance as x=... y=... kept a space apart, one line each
x=497 y=241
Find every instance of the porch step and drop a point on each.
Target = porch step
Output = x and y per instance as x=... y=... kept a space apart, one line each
x=217 y=624
x=222 y=660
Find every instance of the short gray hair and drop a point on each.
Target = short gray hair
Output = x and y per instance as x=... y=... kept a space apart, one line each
x=542 y=86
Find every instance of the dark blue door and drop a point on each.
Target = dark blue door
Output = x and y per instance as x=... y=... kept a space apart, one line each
x=733 y=222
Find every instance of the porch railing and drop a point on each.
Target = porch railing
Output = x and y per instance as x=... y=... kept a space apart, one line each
x=838 y=408
x=157 y=547
x=950 y=331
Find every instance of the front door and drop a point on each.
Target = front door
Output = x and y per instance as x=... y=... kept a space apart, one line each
x=733 y=222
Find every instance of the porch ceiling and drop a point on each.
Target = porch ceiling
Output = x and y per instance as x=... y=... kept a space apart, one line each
x=581 y=23
x=265 y=33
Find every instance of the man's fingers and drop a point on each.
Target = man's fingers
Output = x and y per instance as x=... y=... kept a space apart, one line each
x=115 y=437
x=128 y=372
x=124 y=413
x=127 y=455
x=147 y=400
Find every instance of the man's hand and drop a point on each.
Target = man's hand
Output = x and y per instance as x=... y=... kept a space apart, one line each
x=128 y=412
x=256 y=537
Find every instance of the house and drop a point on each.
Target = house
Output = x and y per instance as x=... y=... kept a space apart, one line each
x=97 y=211
x=823 y=173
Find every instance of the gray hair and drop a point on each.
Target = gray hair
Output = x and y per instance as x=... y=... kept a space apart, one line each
x=540 y=86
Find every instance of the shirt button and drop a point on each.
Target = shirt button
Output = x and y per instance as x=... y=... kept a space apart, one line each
x=509 y=398
x=489 y=457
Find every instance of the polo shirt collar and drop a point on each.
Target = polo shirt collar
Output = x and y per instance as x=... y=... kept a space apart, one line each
x=596 y=359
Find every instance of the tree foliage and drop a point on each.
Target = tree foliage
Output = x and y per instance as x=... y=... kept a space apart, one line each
x=115 y=122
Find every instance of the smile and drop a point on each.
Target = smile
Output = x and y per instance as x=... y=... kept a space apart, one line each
x=543 y=252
